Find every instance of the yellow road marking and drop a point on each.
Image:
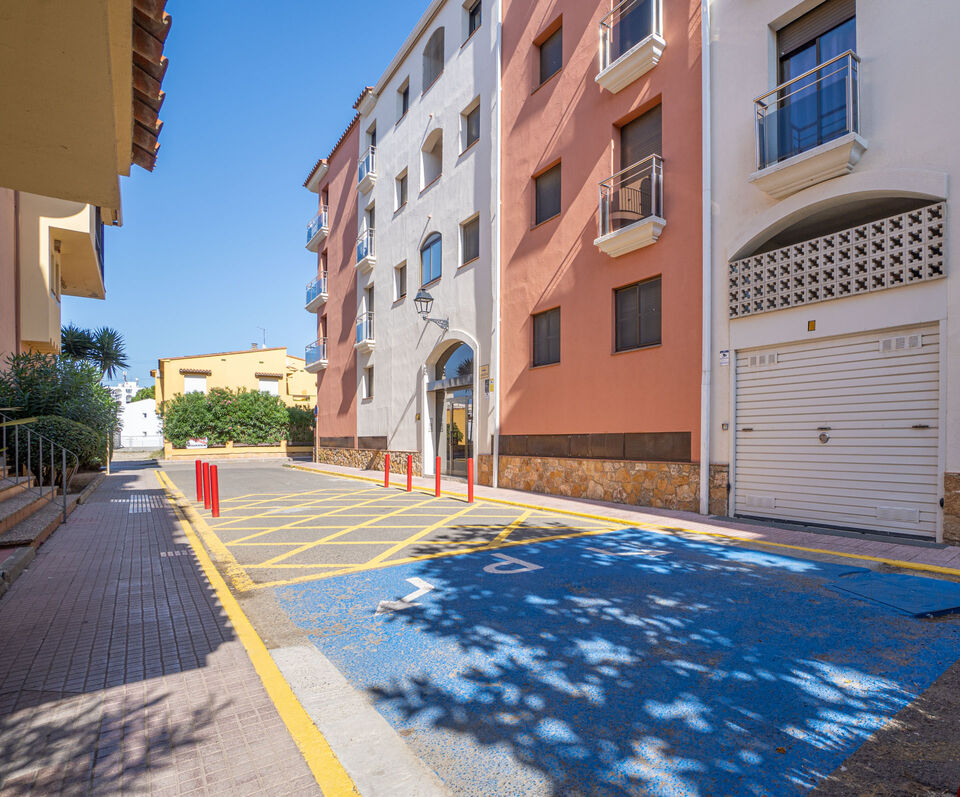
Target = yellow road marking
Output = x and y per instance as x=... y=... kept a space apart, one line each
x=326 y=768
x=672 y=530
x=418 y=535
x=314 y=502
x=278 y=497
x=333 y=536
x=237 y=575
x=509 y=529
x=306 y=542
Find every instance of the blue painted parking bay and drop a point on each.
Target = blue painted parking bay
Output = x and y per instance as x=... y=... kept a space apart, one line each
x=632 y=663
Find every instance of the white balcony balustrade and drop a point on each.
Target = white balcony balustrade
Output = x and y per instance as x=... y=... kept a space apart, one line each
x=317 y=230
x=315 y=356
x=366 y=342
x=631 y=43
x=366 y=251
x=316 y=293
x=808 y=129
x=367 y=170
x=631 y=208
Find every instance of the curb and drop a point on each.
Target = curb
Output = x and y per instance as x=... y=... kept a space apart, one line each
x=85 y=493
x=14 y=565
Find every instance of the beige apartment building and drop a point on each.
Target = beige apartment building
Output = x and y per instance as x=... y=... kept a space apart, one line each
x=81 y=95
x=267 y=370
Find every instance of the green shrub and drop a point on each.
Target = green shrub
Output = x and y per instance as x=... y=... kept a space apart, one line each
x=84 y=442
x=144 y=393
x=300 y=425
x=45 y=384
x=244 y=417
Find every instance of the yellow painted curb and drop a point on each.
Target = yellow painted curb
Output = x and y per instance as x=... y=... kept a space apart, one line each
x=919 y=566
x=326 y=768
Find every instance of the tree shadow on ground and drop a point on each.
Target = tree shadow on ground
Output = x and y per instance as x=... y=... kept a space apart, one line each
x=610 y=670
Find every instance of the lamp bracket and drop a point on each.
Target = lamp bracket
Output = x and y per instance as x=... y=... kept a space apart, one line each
x=443 y=323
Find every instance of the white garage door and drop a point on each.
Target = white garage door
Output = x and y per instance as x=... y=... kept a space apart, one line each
x=841 y=432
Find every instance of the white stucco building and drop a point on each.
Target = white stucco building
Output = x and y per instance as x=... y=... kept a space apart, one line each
x=124 y=391
x=427 y=217
x=142 y=427
x=835 y=298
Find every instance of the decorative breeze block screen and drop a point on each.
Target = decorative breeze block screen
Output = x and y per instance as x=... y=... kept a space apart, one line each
x=898 y=250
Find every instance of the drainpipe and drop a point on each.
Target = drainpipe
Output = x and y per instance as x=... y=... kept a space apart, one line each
x=17 y=287
x=496 y=251
x=706 y=310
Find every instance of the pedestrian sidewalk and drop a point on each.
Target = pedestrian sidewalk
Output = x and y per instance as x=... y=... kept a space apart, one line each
x=912 y=554
x=120 y=673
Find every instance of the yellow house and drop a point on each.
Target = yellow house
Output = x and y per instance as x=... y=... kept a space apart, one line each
x=268 y=370
x=80 y=97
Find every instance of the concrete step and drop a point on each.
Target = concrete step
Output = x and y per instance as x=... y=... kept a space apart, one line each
x=37 y=526
x=14 y=486
x=19 y=507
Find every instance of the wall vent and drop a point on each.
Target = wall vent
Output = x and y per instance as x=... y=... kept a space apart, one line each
x=759 y=501
x=901 y=343
x=899 y=514
x=762 y=360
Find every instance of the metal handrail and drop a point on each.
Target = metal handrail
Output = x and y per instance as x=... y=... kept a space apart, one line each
x=316 y=287
x=847 y=54
x=317 y=223
x=368 y=163
x=606 y=29
x=627 y=186
x=365 y=244
x=6 y=422
x=320 y=347
x=365 y=327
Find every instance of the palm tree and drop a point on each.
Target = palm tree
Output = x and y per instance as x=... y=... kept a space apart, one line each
x=108 y=351
x=75 y=342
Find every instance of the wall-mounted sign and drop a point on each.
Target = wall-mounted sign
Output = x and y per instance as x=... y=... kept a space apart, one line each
x=725 y=357
x=484 y=371
x=197 y=442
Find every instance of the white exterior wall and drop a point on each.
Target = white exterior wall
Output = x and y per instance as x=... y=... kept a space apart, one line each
x=907 y=51
x=141 y=425
x=407 y=347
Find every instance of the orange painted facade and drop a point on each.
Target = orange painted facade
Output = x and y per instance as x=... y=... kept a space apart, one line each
x=9 y=279
x=337 y=384
x=570 y=119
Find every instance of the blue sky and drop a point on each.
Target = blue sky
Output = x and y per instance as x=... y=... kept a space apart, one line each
x=212 y=242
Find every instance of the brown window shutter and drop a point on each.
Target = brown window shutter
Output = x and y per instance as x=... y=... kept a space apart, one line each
x=641 y=138
x=814 y=23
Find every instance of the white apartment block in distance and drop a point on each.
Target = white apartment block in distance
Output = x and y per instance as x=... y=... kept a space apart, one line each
x=836 y=299
x=427 y=220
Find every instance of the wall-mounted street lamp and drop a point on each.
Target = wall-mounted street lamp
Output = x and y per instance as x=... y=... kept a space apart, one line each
x=424 y=304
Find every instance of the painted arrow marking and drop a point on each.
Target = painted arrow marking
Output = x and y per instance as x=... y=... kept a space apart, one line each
x=407 y=601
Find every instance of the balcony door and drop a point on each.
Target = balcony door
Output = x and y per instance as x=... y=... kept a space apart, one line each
x=633 y=195
x=815 y=110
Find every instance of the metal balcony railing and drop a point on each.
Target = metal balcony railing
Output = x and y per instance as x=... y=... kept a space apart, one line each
x=820 y=105
x=98 y=238
x=316 y=287
x=631 y=195
x=626 y=26
x=316 y=352
x=43 y=461
x=368 y=164
x=317 y=223
x=365 y=327
x=365 y=245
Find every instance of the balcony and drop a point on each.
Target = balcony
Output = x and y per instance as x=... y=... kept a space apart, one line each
x=808 y=129
x=631 y=208
x=366 y=343
x=317 y=230
x=367 y=171
x=315 y=356
x=316 y=293
x=631 y=43
x=366 y=253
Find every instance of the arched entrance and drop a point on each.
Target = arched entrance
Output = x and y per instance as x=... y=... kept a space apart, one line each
x=451 y=392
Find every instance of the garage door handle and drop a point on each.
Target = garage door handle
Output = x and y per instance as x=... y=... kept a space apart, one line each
x=920 y=426
x=746 y=428
x=824 y=428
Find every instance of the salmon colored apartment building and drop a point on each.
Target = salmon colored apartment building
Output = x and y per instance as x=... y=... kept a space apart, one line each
x=332 y=294
x=601 y=250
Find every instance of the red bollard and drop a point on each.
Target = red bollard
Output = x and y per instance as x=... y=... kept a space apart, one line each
x=214 y=492
x=199 y=481
x=470 y=480
x=206 y=485
x=409 y=473
x=437 y=471
x=386 y=470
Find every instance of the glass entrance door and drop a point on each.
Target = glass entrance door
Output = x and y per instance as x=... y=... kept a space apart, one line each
x=456 y=431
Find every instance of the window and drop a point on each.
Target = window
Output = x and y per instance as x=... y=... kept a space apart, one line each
x=637 y=310
x=372 y=135
x=194 y=383
x=551 y=55
x=271 y=386
x=366 y=387
x=402 y=190
x=371 y=217
x=473 y=18
x=634 y=196
x=470 y=121
x=433 y=59
x=403 y=99
x=368 y=299
x=814 y=110
x=548 y=194
x=470 y=240
x=431 y=259
x=432 y=157
x=400 y=281
x=546 y=337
